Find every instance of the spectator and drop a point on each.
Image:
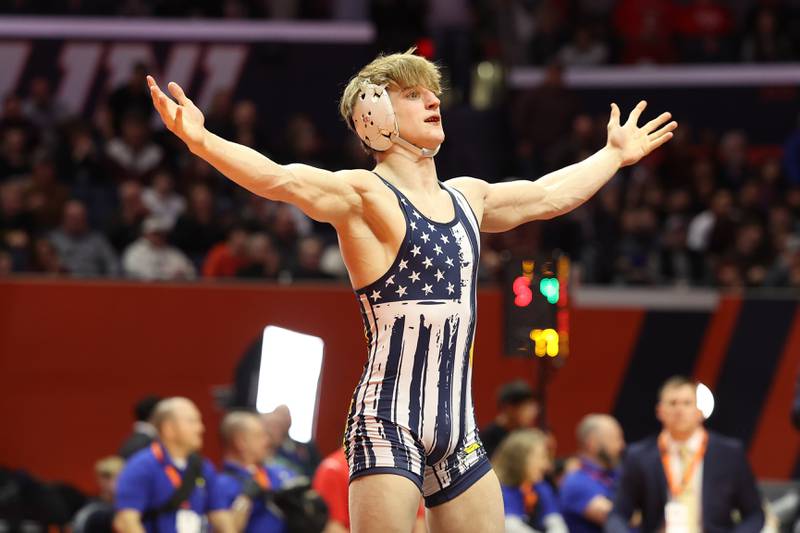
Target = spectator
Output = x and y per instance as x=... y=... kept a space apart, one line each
x=583 y=51
x=196 y=231
x=229 y=257
x=153 y=476
x=518 y=408
x=161 y=200
x=245 y=480
x=704 y=27
x=587 y=494
x=264 y=262
x=131 y=153
x=98 y=515
x=45 y=259
x=126 y=224
x=309 y=257
x=144 y=432
x=131 y=98
x=45 y=195
x=540 y=118
x=766 y=42
x=152 y=258
x=691 y=459
x=521 y=462
x=43 y=110
x=83 y=251
x=14 y=154
x=302 y=458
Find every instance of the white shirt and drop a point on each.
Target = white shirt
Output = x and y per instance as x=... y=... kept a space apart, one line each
x=144 y=261
x=678 y=468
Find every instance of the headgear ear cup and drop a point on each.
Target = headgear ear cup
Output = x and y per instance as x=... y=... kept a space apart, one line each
x=376 y=123
x=374 y=118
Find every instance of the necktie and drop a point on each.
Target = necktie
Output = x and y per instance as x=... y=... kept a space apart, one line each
x=690 y=496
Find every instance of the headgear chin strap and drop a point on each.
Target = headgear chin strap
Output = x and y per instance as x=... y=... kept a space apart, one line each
x=376 y=123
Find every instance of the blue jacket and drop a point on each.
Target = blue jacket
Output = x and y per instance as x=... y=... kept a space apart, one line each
x=728 y=484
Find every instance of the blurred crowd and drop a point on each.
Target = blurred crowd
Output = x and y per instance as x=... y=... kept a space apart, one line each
x=114 y=195
x=575 y=32
x=269 y=483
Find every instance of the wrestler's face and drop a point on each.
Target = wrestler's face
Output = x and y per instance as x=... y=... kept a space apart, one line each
x=418 y=114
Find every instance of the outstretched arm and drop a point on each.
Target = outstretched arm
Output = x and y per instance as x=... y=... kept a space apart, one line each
x=507 y=205
x=323 y=195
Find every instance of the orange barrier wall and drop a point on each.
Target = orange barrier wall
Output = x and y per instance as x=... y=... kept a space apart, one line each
x=74 y=357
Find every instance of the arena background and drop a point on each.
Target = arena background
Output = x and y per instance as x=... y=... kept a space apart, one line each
x=82 y=352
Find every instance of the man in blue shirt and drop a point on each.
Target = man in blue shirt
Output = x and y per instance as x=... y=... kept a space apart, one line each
x=587 y=494
x=244 y=476
x=154 y=474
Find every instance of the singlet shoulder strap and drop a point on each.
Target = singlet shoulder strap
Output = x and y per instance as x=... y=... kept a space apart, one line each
x=466 y=209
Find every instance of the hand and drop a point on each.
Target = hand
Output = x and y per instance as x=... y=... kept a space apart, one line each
x=632 y=142
x=183 y=119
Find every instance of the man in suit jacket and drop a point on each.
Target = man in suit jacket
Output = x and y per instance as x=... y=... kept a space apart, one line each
x=687 y=479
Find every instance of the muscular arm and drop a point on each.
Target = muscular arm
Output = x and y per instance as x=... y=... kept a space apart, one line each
x=507 y=205
x=128 y=521
x=323 y=195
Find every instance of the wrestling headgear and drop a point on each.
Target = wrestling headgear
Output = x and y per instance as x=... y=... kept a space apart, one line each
x=376 y=123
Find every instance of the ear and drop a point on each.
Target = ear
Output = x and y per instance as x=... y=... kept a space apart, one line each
x=659 y=413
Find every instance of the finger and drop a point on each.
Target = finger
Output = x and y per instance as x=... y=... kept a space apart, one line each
x=666 y=129
x=614 y=118
x=659 y=141
x=179 y=118
x=656 y=123
x=633 y=118
x=178 y=93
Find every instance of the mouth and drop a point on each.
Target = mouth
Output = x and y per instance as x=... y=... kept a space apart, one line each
x=435 y=119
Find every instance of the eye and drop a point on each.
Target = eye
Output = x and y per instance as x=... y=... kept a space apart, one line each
x=413 y=93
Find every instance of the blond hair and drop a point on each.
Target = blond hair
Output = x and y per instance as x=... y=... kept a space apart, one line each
x=511 y=458
x=402 y=70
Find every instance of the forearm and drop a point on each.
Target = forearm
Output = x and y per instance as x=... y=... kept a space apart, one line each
x=240 y=512
x=245 y=166
x=571 y=186
x=128 y=522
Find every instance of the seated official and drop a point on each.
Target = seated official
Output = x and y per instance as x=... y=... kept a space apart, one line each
x=167 y=487
x=244 y=480
x=687 y=478
x=587 y=494
x=521 y=462
x=517 y=408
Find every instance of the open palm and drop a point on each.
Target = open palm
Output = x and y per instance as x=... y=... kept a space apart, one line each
x=634 y=142
x=183 y=118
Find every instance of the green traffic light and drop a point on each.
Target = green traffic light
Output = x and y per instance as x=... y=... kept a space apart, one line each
x=549 y=289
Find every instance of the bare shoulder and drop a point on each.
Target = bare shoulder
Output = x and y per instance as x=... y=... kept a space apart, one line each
x=473 y=188
x=362 y=181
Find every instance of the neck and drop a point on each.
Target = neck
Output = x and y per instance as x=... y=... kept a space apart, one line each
x=681 y=436
x=408 y=170
x=175 y=451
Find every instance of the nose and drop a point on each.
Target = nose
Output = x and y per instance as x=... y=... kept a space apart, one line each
x=431 y=100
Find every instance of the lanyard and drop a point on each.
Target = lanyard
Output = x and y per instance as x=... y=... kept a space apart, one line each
x=259 y=476
x=171 y=472
x=529 y=497
x=688 y=470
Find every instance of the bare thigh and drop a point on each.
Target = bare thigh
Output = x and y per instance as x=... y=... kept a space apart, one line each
x=479 y=509
x=383 y=503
